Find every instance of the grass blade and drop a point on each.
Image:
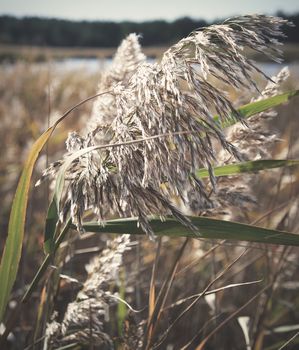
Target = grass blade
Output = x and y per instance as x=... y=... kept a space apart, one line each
x=253 y=108
x=51 y=223
x=202 y=345
x=247 y=167
x=207 y=229
x=13 y=245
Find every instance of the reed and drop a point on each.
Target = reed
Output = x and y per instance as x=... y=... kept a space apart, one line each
x=167 y=150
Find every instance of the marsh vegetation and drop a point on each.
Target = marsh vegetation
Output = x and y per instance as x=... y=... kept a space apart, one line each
x=190 y=282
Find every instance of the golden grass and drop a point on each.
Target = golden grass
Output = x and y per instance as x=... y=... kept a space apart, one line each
x=32 y=94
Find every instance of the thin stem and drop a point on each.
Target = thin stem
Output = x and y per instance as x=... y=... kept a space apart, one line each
x=203 y=343
x=38 y=276
x=164 y=335
x=46 y=262
x=289 y=341
x=79 y=104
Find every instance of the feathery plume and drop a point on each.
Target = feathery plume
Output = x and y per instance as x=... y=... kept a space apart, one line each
x=176 y=100
x=255 y=142
x=85 y=319
x=126 y=60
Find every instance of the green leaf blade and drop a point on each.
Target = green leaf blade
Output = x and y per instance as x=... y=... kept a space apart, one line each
x=247 y=167
x=50 y=228
x=253 y=108
x=13 y=245
x=207 y=229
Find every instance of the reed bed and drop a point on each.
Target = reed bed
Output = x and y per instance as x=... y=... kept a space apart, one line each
x=158 y=291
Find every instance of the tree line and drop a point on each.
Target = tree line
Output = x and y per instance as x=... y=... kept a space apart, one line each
x=65 y=33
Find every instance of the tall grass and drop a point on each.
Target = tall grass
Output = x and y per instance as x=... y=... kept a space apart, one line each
x=141 y=153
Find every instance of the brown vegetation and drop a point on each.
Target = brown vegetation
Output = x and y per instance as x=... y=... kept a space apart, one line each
x=31 y=97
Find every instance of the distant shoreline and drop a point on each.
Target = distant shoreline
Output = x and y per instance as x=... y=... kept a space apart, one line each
x=14 y=53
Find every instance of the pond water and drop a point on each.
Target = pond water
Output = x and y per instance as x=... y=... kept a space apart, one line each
x=96 y=65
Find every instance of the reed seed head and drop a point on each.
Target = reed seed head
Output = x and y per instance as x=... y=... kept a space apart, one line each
x=176 y=100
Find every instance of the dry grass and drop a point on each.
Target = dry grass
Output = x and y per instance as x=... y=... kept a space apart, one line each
x=31 y=96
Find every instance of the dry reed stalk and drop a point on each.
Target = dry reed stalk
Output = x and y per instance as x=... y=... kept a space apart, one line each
x=173 y=96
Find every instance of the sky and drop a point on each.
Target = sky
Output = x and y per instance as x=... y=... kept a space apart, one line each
x=140 y=10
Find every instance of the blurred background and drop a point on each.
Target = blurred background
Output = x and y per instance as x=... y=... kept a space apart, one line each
x=52 y=55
